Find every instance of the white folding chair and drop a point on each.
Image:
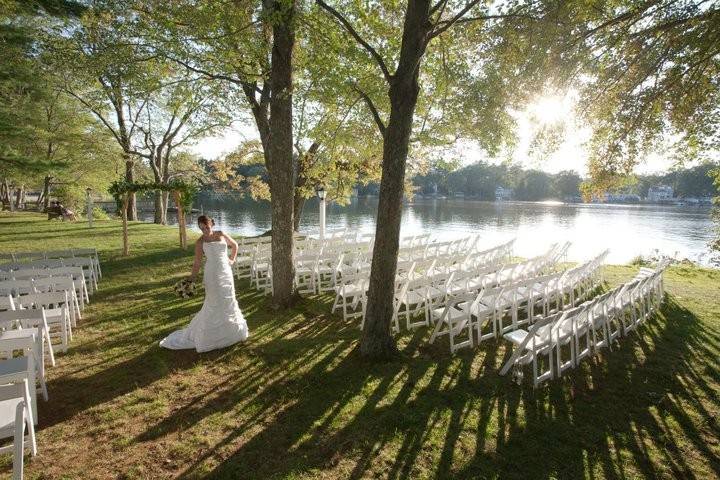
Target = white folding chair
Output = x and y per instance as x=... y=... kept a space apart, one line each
x=530 y=347
x=16 y=287
x=61 y=284
x=26 y=340
x=16 y=413
x=56 y=307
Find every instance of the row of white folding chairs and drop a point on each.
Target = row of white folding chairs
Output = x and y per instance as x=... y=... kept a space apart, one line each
x=256 y=252
x=430 y=284
x=17 y=405
x=46 y=284
x=565 y=338
x=352 y=278
x=481 y=312
x=60 y=318
x=318 y=262
x=313 y=260
x=253 y=260
x=26 y=324
x=24 y=257
x=16 y=278
x=434 y=249
x=86 y=263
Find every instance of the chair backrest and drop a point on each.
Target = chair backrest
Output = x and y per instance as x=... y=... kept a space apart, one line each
x=29 y=273
x=79 y=252
x=16 y=287
x=49 y=284
x=26 y=256
x=79 y=262
x=22 y=315
x=8 y=267
x=58 y=254
x=77 y=273
x=51 y=263
x=43 y=300
x=6 y=303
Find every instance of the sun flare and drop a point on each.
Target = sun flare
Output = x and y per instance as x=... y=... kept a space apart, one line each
x=551 y=109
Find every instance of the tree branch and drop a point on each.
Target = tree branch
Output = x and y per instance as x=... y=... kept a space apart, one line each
x=440 y=27
x=373 y=110
x=345 y=23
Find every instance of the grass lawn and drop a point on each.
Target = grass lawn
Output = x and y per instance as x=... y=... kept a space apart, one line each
x=297 y=401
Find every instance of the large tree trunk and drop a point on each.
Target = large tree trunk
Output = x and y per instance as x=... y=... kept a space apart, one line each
x=281 y=158
x=130 y=177
x=124 y=213
x=5 y=194
x=166 y=200
x=20 y=197
x=19 y=194
x=46 y=192
x=160 y=207
x=377 y=341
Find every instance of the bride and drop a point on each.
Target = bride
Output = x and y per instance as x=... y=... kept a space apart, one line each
x=219 y=323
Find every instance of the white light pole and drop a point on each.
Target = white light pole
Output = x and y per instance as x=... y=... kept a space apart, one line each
x=88 y=202
x=321 y=195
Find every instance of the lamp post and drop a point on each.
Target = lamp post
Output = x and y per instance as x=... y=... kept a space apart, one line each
x=321 y=195
x=88 y=203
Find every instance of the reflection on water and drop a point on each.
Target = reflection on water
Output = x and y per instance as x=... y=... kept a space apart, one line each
x=627 y=230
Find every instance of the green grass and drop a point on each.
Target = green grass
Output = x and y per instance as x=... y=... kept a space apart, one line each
x=297 y=401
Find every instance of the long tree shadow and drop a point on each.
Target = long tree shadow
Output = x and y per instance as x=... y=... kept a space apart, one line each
x=622 y=407
x=623 y=413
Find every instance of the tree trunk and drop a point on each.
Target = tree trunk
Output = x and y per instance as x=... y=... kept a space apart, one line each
x=9 y=194
x=165 y=200
x=377 y=341
x=126 y=239
x=19 y=197
x=181 y=220
x=160 y=207
x=298 y=204
x=281 y=155
x=300 y=181
x=46 y=192
x=5 y=194
x=130 y=177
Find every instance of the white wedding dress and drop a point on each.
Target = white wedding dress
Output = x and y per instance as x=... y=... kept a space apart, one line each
x=219 y=323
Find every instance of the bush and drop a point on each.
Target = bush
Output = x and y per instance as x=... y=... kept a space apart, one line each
x=100 y=214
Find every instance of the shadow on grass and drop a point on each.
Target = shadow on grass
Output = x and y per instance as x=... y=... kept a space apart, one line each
x=640 y=404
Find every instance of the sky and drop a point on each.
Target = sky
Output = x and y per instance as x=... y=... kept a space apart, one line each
x=570 y=155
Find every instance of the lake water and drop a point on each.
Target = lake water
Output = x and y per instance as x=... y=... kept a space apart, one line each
x=627 y=230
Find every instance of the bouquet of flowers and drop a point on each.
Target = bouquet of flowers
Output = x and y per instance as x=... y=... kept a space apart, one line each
x=185 y=288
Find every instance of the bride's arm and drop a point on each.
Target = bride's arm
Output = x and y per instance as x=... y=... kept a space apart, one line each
x=233 y=246
x=198 y=259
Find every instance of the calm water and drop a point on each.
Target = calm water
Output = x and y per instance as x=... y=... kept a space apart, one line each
x=627 y=230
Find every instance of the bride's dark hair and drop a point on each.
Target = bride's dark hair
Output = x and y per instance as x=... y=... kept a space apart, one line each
x=204 y=219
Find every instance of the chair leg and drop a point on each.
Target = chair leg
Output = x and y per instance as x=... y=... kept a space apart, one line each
x=40 y=360
x=19 y=442
x=46 y=335
x=29 y=418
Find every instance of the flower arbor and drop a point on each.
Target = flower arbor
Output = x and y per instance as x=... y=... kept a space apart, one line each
x=182 y=193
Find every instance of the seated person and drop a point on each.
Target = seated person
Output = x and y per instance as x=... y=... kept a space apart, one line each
x=54 y=211
x=67 y=214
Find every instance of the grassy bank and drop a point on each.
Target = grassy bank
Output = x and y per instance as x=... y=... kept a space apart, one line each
x=296 y=401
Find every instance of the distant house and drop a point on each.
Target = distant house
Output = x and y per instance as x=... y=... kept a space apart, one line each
x=660 y=193
x=502 y=193
x=622 y=198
